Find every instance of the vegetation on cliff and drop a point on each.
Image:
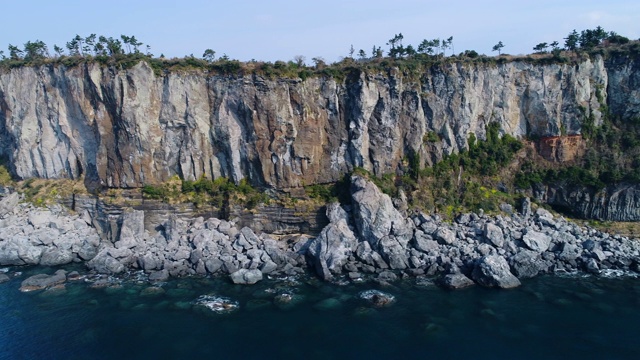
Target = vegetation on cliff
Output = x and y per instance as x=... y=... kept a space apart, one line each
x=127 y=51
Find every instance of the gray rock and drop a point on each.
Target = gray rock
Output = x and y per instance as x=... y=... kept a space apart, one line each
x=54 y=257
x=527 y=264
x=445 y=236
x=160 y=275
x=493 y=271
x=425 y=244
x=456 y=281
x=536 y=241
x=4 y=278
x=525 y=207
x=493 y=234
x=246 y=277
x=43 y=281
x=374 y=213
x=8 y=203
x=387 y=276
x=104 y=263
x=330 y=251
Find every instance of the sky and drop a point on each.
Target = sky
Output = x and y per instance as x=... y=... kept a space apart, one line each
x=270 y=30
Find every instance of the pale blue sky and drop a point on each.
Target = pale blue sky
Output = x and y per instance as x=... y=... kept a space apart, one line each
x=282 y=29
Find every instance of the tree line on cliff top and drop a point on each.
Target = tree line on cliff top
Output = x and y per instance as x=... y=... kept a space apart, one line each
x=126 y=51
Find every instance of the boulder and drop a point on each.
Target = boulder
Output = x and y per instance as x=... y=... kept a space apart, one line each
x=246 y=276
x=493 y=235
x=161 y=275
x=493 y=271
x=43 y=281
x=104 y=263
x=525 y=207
x=330 y=251
x=8 y=203
x=54 y=256
x=526 y=264
x=374 y=213
x=445 y=236
x=536 y=241
x=456 y=281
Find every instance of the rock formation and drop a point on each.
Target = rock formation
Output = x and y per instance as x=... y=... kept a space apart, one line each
x=367 y=238
x=127 y=128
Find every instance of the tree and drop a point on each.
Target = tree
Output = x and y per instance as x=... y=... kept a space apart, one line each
x=110 y=45
x=15 y=53
x=498 y=47
x=299 y=59
x=209 y=55
x=89 y=43
x=127 y=41
x=351 y=51
x=428 y=46
x=362 y=55
x=74 y=46
x=58 y=50
x=541 y=48
x=446 y=44
x=376 y=52
x=319 y=62
x=135 y=43
x=396 y=50
x=36 y=50
x=410 y=51
x=571 y=41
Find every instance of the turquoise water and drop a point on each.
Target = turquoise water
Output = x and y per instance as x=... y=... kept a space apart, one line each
x=548 y=317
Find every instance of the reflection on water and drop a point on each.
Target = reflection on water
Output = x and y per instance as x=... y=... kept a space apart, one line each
x=548 y=317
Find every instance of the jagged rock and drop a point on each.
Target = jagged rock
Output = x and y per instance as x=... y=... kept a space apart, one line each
x=104 y=263
x=425 y=244
x=54 y=257
x=332 y=248
x=365 y=254
x=536 y=241
x=387 y=276
x=445 y=236
x=493 y=271
x=246 y=277
x=456 y=281
x=4 y=278
x=160 y=275
x=526 y=264
x=374 y=213
x=493 y=234
x=8 y=203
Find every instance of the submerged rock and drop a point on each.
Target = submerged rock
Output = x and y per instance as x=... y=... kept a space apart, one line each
x=217 y=304
x=43 y=281
x=377 y=298
x=4 y=278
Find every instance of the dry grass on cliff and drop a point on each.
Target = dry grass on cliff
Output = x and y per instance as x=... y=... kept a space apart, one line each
x=43 y=192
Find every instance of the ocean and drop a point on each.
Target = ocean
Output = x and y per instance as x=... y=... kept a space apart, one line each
x=549 y=317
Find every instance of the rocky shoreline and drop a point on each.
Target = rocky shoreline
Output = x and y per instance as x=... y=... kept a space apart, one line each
x=368 y=239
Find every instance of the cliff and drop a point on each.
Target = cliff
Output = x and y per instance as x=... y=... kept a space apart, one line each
x=127 y=128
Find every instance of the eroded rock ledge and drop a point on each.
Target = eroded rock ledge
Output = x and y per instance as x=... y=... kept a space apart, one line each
x=368 y=238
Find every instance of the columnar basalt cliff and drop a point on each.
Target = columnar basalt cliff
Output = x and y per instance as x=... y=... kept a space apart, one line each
x=127 y=128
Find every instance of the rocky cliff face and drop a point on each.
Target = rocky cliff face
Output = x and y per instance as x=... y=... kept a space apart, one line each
x=127 y=128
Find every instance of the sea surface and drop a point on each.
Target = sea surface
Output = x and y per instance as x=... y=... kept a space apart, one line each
x=550 y=317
